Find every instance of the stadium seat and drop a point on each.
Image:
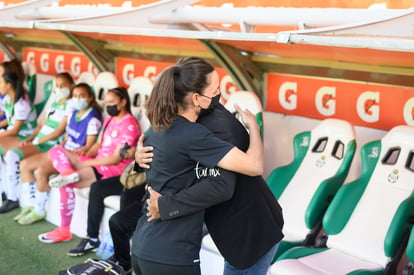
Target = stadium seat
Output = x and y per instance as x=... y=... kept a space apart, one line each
x=368 y=221
x=86 y=77
x=139 y=91
x=246 y=100
x=103 y=82
x=44 y=99
x=305 y=187
x=30 y=84
x=409 y=269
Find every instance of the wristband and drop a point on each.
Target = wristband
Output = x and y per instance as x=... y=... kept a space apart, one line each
x=35 y=142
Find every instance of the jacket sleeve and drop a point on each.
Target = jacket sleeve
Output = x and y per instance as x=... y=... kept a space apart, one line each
x=207 y=192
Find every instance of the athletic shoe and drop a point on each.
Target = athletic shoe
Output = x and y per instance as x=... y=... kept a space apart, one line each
x=31 y=217
x=57 y=235
x=86 y=245
x=9 y=206
x=128 y=269
x=23 y=212
x=61 y=180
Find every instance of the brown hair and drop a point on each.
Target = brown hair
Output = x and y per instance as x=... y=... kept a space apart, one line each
x=189 y=75
x=14 y=66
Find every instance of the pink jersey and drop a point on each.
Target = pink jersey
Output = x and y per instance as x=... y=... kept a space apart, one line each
x=116 y=134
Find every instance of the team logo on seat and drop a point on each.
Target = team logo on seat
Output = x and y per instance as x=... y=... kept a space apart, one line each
x=321 y=162
x=393 y=177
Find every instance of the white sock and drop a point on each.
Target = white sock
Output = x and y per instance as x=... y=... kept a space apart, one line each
x=28 y=194
x=41 y=199
x=13 y=174
x=2 y=181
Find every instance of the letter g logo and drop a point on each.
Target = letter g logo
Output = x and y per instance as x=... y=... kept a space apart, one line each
x=128 y=73
x=44 y=62
x=408 y=112
x=288 y=96
x=325 y=101
x=368 y=106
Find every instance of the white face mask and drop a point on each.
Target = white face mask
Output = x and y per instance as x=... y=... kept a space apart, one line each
x=79 y=103
x=62 y=93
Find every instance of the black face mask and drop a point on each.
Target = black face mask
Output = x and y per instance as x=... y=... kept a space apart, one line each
x=215 y=100
x=112 y=110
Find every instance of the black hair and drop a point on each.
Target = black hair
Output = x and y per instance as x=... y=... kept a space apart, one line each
x=90 y=92
x=17 y=82
x=122 y=93
x=67 y=76
x=189 y=75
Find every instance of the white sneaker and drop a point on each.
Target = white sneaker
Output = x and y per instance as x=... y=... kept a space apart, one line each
x=61 y=181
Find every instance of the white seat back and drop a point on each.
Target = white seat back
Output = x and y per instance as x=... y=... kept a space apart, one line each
x=245 y=100
x=104 y=81
x=139 y=92
x=86 y=77
x=328 y=142
x=390 y=184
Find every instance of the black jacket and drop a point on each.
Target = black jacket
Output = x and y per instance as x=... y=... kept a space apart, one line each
x=244 y=218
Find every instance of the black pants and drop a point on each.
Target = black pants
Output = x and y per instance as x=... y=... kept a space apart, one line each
x=100 y=189
x=143 y=267
x=122 y=224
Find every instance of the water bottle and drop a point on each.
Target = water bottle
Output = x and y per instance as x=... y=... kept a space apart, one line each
x=106 y=248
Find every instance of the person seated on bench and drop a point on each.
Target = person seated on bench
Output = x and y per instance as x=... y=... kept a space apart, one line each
x=81 y=132
x=9 y=66
x=100 y=189
x=21 y=121
x=102 y=161
x=47 y=134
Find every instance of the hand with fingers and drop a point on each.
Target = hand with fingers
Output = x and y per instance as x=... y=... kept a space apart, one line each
x=143 y=155
x=249 y=119
x=152 y=205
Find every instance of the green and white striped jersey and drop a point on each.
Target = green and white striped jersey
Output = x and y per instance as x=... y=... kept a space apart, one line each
x=54 y=116
x=21 y=110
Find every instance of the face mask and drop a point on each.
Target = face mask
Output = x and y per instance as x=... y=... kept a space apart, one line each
x=215 y=100
x=79 y=103
x=62 y=93
x=112 y=110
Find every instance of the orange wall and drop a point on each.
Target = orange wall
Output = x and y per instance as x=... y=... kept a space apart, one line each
x=364 y=104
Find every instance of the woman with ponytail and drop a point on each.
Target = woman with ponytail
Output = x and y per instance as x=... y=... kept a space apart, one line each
x=21 y=120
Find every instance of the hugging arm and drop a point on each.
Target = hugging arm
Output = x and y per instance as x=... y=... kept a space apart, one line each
x=205 y=193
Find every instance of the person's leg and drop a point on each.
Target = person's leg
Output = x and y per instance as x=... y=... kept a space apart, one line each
x=130 y=196
x=100 y=189
x=41 y=164
x=135 y=265
x=122 y=225
x=6 y=143
x=259 y=268
x=12 y=160
x=28 y=190
x=145 y=267
x=66 y=163
x=60 y=160
x=67 y=206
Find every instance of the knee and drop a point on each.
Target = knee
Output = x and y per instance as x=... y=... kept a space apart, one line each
x=40 y=172
x=11 y=157
x=24 y=165
x=115 y=222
